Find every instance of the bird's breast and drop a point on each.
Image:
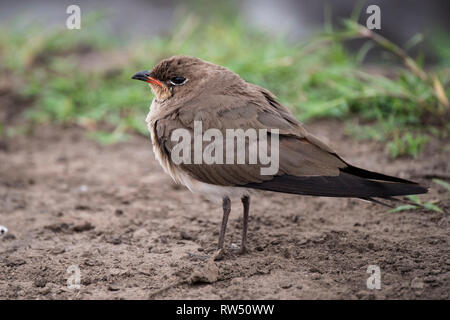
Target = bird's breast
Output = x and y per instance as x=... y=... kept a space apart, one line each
x=180 y=176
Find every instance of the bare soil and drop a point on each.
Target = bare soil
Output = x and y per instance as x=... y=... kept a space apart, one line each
x=134 y=234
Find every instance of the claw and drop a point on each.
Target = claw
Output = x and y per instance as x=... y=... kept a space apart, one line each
x=218 y=255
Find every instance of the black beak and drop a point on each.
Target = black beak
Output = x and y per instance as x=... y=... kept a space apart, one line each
x=142 y=75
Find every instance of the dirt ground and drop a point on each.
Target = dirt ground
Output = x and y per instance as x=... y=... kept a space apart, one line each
x=111 y=212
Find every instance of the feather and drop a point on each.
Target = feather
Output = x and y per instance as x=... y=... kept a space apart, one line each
x=343 y=185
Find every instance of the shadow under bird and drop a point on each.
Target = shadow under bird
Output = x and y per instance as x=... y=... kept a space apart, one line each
x=188 y=89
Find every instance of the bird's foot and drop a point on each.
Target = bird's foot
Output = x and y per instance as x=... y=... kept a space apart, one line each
x=218 y=255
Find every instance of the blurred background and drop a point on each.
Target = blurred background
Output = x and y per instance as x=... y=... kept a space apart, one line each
x=296 y=18
x=390 y=85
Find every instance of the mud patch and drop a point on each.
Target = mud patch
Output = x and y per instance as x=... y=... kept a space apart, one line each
x=133 y=234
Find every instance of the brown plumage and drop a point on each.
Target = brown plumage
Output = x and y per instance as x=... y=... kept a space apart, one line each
x=188 y=89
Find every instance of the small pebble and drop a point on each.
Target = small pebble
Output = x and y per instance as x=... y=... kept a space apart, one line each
x=40 y=283
x=57 y=250
x=186 y=236
x=417 y=283
x=113 y=287
x=116 y=241
x=83 y=227
x=285 y=285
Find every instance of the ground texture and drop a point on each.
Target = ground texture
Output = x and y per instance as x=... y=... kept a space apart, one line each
x=111 y=212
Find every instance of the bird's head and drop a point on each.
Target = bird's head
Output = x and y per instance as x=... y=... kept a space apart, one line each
x=181 y=77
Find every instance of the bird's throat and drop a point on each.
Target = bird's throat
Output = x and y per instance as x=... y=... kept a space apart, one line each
x=161 y=93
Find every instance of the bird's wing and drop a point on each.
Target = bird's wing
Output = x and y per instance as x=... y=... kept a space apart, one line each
x=307 y=166
x=300 y=153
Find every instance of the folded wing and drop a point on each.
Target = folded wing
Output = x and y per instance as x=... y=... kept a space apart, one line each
x=307 y=166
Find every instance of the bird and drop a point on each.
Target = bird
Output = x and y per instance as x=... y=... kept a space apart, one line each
x=188 y=90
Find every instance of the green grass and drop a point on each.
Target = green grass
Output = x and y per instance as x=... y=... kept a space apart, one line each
x=442 y=183
x=407 y=145
x=418 y=204
x=316 y=78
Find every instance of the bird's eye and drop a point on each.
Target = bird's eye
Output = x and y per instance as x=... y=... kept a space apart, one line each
x=177 y=81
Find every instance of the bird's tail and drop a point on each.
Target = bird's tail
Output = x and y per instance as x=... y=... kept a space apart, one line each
x=351 y=182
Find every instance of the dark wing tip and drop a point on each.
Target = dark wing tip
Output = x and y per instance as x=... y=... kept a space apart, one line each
x=343 y=185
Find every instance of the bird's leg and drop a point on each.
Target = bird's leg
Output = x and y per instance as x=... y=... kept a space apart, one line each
x=246 y=204
x=226 y=205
